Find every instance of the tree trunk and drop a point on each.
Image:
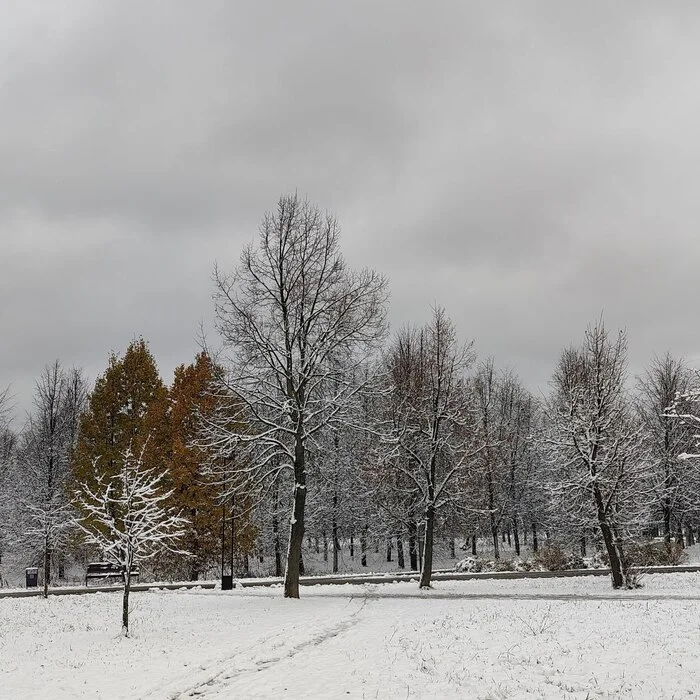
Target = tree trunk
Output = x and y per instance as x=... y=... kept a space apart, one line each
x=516 y=537
x=413 y=544
x=276 y=531
x=388 y=549
x=616 y=570
x=352 y=545
x=334 y=534
x=667 y=519
x=494 y=538
x=399 y=553
x=583 y=545
x=325 y=546
x=125 y=600
x=691 y=538
x=47 y=570
x=427 y=570
x=474 y=545
x=363 y=546
x=534 y=537
x=453 y=553
x=296 y=530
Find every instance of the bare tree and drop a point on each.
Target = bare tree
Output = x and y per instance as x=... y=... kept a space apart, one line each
x=429 y=427
x=125 y=516
x=299 y=324
x=599 y=473
x=43 y=463
x=665 y=380
x=8 y=496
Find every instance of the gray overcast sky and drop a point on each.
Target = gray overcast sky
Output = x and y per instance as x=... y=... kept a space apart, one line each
x=525 y=164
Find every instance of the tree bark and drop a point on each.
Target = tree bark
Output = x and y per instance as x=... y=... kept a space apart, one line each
x=413 y=544
x=363 y=546
x=516 y=536
x=534 y=537
x=399 y=553
x=334 y=534
x=296 y=530
x=427 y=570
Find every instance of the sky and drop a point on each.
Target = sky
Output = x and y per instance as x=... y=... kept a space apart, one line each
x=529 y=166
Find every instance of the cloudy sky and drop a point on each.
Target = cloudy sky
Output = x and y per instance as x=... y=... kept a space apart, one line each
x=526 y=165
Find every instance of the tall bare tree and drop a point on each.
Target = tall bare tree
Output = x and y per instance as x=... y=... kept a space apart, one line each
x=430 y=419
x=297 y=324
x=665 y=380
x=600 y=474
x=43 y=462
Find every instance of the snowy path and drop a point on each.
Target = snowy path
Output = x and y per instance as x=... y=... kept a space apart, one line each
x=489 y=640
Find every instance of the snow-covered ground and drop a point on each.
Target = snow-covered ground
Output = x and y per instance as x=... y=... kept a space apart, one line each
x=553 y=638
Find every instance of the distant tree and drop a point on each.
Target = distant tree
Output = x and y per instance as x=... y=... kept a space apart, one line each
x=429 y=426
x=127 y=407
x=504 y=413
x=660 y=387
x=600 y=474
x=298 y=321
x=124 y=515
x=8 y=442
x=44 y=513
x=685 y=411
x=194 y=492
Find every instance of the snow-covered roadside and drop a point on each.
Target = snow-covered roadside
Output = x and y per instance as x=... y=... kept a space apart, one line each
x=386 y=641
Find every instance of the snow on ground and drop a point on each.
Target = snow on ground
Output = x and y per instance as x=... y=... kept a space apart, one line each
x=538 y=638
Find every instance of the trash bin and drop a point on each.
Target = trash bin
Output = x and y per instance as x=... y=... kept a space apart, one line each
x=32 y=576
x=226 y=583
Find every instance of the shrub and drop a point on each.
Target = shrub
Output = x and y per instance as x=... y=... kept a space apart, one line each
x=655 y=554
x=552 y=558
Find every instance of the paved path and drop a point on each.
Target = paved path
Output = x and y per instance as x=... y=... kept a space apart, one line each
x=357 y=579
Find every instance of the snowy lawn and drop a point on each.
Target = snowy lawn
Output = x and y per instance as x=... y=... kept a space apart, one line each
x=567 y=638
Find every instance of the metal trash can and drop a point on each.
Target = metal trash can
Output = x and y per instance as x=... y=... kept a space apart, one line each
x=32 y=576
x=226 y=583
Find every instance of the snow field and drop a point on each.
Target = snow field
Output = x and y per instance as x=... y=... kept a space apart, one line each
x=376 y=641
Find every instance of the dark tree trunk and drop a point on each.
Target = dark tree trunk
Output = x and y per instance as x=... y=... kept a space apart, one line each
x=47 y=570
x=494 y=538
x=325 y=546
x=691 y=538
x=389 y=556
x=534 y=537
x=667 y=518
x=276 y=532
x=413 y=545
x=399 y=553
x=363 y=546
x=125 y=600
x=611 y=544
x=334 y=534
x=453 y=553
x=427 y=570
x=583 y=546
x=474 y=545
x=516 y=537
x=296 y=530
x=352 y=546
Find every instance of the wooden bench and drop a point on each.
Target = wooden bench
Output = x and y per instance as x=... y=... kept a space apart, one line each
x=107 y=570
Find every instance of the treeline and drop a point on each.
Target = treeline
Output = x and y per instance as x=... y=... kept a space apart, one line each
x=314 y=431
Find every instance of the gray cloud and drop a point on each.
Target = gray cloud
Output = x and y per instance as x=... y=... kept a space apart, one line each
x=526 y=165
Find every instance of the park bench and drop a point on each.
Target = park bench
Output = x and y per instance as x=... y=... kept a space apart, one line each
x=107 y=570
